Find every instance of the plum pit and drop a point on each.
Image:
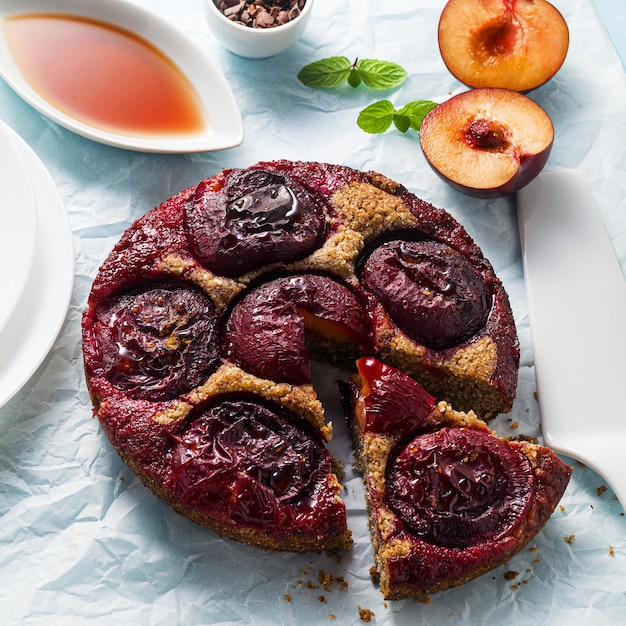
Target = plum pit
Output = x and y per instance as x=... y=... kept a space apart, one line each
x=485 y=134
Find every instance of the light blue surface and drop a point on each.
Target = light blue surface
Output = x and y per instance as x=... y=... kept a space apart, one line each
x=612 y=14
x=81 y=540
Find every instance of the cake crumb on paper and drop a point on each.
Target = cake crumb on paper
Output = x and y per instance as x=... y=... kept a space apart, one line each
x=366 y=614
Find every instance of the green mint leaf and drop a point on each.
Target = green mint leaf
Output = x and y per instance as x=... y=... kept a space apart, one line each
x=376 y=118
x=354 y=78
x=329 y=72
x=415 y=112
x=380 y=74
x=333 y=71
x=401 y=122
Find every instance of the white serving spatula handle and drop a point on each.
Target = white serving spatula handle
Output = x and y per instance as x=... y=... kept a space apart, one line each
x=577 y=311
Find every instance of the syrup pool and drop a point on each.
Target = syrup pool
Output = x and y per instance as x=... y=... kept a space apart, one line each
x=103 y=75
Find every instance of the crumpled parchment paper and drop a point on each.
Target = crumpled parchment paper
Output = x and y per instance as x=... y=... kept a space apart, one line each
x=82 y=541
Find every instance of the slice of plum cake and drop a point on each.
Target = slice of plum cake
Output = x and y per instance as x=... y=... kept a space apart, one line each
x=447 y=499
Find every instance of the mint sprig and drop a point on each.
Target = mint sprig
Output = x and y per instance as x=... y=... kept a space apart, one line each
x=375 y=74
x=378 y=117
x=333 y=71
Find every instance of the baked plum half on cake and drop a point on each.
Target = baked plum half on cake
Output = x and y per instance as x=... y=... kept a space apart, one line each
x=431 y=291
x=255 y=468
x=256 y=216
x=447 y=499
x=154 y=343
x=202 y=322
x=266 y=330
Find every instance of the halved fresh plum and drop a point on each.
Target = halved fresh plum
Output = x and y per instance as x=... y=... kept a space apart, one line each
x=256 y=466
x=388 y=401
x=266 y=330
x=511 y=44
x=258 y=217
x=431 y=292
x=154 y=344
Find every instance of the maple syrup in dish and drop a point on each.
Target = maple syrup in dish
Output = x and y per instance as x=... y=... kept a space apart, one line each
x=103 y=75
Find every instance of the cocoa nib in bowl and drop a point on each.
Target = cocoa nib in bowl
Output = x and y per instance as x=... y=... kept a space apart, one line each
x=257 y=29
x=259 y=14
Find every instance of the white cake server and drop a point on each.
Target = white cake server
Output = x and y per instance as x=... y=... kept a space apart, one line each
x=577 y=311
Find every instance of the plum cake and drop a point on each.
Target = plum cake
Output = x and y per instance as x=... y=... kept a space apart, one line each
x=202 y=323
x=447 y=499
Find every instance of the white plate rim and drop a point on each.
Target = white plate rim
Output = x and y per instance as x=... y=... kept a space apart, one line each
x=41 y=312
x=225 y=128
x=19 y=226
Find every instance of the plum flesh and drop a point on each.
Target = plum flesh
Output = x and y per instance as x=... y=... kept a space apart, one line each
x=257 y=217
x=388 y=401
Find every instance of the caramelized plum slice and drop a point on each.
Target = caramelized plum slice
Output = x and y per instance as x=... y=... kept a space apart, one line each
x=388 y=400
x=158 y=343
x=430 y=291
x=458 y=487
x=257 y=217
x=246 y=462
x=266 y=329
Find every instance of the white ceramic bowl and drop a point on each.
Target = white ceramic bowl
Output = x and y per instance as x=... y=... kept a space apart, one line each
x=255 y=43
